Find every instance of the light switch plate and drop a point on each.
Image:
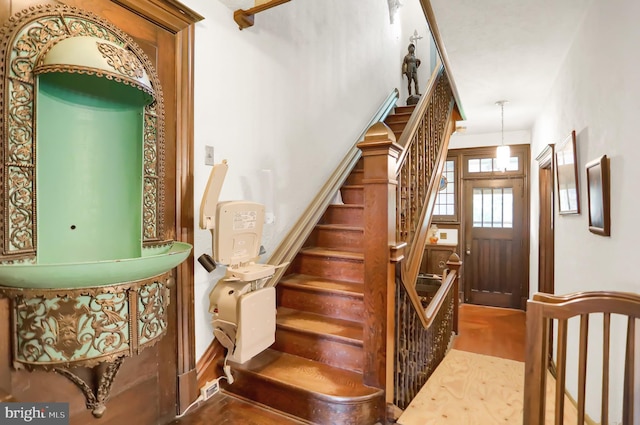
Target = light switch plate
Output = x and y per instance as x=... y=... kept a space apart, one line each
x=208 y=155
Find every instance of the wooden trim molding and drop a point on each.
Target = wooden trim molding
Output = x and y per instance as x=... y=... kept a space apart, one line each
x=187 y=385
x=168 y=14
x=180 y=20
x=545 y=158
x=206 y=366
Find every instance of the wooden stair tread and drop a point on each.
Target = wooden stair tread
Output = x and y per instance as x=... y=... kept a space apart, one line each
x=324 y=252
x=340 y=227
x=322 y=284
x=353 y=206
x=344 y=330
x=323 y=380
x=398 y=117
x=404 y=109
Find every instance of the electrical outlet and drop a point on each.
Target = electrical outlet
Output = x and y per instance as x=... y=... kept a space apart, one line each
x=208 y=155
x=210 y=389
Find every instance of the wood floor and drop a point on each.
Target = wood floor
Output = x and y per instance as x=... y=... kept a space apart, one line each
x=492 y=331
x=498 y=332
x=227 y=409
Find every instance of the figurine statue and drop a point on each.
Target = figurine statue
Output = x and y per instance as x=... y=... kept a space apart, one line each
x=410 y=66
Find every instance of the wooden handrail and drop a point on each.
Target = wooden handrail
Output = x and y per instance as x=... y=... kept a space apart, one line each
x=438 y=299
x=296 y=237
x=437 y=38
x=448 y=281
x=245 y=18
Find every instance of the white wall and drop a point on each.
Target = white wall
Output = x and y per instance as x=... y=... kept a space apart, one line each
x=289 y=95
x=596 y=93
x=461 y=140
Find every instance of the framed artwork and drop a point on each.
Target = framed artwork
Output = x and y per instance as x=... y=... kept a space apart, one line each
x=567 y=176
x=598 y=196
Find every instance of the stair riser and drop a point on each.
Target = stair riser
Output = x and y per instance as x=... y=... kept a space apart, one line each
x=397 y=118
x=397 y=126
x=404 y=109
x=326 y=303
x=342 y=215
x=304 y=404
x=355 y=177
x=345 y=240
x=352 y=195
x=330 y=267
x=337 y=353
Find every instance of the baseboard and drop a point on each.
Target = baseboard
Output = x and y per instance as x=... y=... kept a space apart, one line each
x=206 y=365
x=187 y=390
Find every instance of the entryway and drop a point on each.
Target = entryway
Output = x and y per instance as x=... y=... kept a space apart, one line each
x=490 y=207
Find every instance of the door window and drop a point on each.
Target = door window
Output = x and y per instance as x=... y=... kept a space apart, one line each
x=489 y=165
x=493 y=207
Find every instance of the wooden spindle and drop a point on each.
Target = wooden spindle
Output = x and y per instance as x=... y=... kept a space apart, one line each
x=561 y=358
x=604 y=418
x=582 y=365
x=629 y=373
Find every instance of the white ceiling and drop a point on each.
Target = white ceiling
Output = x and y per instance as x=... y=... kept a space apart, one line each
x=505 y=50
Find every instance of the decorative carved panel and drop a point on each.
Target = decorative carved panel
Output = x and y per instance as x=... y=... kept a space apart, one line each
x=56 y=328
x=24 y=39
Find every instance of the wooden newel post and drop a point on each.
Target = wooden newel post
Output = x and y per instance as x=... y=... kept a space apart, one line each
x=380 y=154
x=454 y=263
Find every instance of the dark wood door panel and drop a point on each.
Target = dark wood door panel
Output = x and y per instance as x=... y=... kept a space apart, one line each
x=494 y=255
x=493 y=270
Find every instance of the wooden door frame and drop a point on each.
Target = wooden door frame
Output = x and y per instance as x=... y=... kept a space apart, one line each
x=180 y=21
x=463 y=153
x=546 y=215
x=546 y=218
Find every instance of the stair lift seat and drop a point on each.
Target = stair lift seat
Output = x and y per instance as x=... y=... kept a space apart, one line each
x=244 y=312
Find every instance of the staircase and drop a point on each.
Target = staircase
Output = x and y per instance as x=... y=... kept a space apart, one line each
x=398 y=120
x=314 y=369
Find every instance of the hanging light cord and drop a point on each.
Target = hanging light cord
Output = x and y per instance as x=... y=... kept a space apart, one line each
x=502 y=118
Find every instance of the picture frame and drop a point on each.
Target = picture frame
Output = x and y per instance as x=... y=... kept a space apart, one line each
x=598 y=196
x=566 y=164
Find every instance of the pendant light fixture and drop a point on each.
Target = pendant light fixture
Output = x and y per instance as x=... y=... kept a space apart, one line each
x=503 y=152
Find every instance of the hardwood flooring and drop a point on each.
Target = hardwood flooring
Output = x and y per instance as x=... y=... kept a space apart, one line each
x=498 y=332
x=226 y=409
x=492 y=331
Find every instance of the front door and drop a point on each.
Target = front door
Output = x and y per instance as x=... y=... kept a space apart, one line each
x=494 y=242
x=495 y=233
